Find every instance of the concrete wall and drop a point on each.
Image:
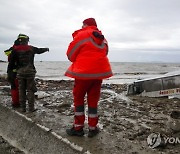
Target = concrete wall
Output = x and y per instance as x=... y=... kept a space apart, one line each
x=28 y=136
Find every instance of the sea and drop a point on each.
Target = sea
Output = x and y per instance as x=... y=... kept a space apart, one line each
x=124 y=72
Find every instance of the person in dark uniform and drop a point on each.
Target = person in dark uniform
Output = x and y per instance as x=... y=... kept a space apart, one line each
x=23 y=57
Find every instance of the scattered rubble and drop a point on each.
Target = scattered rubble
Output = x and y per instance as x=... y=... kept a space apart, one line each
x=132 y=118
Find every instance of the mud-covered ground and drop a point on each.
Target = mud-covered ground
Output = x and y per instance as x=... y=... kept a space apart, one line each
x=125 y=121
x=6 y=148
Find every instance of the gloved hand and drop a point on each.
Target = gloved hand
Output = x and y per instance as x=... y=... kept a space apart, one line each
x=47 y=49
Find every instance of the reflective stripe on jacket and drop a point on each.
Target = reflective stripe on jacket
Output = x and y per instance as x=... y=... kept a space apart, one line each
x=88 y=54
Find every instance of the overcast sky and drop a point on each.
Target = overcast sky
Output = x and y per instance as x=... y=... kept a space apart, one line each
x=137 y=30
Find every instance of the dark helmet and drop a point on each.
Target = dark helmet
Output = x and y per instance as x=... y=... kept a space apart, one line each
x=23 y=38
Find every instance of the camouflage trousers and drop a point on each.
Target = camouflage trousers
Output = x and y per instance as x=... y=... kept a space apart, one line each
x=27 y=88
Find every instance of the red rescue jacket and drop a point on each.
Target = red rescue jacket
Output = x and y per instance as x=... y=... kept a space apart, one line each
x=88 y=54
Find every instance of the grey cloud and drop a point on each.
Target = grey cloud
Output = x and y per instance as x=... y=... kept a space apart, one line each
x=132 y=27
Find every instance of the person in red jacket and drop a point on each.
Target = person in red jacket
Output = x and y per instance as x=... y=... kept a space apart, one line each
x=90 y=65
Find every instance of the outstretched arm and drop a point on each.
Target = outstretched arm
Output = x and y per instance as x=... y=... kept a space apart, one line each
x=40 y=50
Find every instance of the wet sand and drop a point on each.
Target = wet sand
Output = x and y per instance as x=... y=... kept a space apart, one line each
x=125 y=121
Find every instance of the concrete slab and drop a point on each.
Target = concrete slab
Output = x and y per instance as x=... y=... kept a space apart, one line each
x=29 y=137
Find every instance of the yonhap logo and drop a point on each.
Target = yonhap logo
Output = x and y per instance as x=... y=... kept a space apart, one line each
x=154 y=140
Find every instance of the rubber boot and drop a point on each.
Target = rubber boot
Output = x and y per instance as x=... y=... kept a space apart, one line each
x=15 y=97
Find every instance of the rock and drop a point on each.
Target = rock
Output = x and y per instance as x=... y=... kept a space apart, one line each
x=174 y=121
x=41 y=94
x=64 y=104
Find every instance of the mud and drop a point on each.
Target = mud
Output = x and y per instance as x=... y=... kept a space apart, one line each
x=6 y=148
x=125 y=121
